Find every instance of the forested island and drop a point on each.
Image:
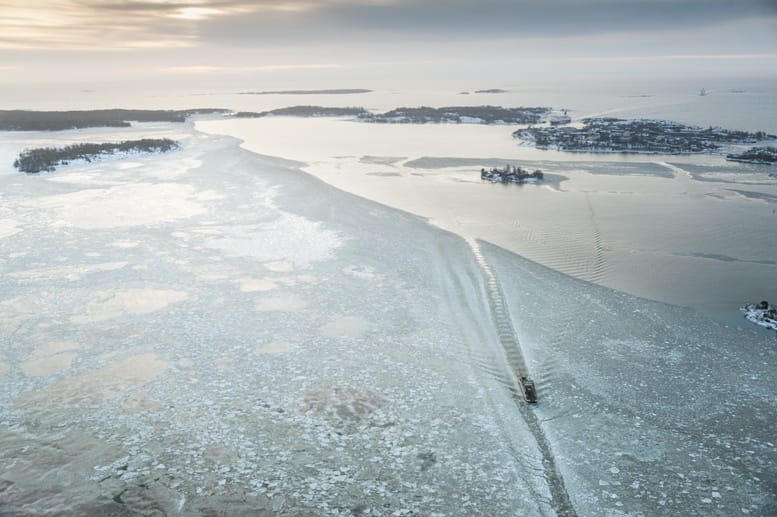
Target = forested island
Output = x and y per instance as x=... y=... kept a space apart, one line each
x=763 y=155
x=510 y=174
x=460 y=115
x=608 y=135
x=47 y=158
x=305 y=111
x=24 y=120
x=341 y=91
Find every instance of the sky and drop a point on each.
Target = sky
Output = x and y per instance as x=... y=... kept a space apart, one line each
x=334 y=41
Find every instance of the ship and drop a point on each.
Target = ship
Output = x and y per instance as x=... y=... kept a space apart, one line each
x=703 y=92
x=528 y=390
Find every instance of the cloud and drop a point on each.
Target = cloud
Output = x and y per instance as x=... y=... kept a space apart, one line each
x=210 y=69
x=112 y=24
x=484 y=19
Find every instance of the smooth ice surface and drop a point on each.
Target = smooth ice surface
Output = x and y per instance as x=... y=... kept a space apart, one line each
x=607 y=219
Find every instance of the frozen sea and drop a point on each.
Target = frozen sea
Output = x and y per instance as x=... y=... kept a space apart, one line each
x=319 y=317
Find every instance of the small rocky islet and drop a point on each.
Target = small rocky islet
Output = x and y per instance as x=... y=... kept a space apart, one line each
x=759 y=155
x=510 y=174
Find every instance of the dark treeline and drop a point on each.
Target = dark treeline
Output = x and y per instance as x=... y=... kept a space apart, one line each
x=420 y=115
x=305 y=111
x=47 y=158
x=23 y=120
x=459 y=114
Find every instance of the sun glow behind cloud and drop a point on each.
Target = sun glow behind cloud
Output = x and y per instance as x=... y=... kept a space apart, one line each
x=196 y=13
x=104 y=25
x=74 y=24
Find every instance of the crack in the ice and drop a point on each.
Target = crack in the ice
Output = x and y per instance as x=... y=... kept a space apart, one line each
x=559 y=501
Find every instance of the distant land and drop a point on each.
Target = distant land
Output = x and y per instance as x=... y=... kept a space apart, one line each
x=23 y=120
x=304 y=111
x=461 y=115
x=420 y=115
x=344 y=91
x=47 y=158
x=491 y=90
x=613 y=135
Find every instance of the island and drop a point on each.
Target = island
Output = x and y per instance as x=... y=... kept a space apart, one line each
x=761 y=314
x=460 y=115
x=510 y=174
x=341 y=91
x=24 y=120
x=762 y=155
x=491 y=90
x=305 y=111
x=47 y=158
x=613 y=135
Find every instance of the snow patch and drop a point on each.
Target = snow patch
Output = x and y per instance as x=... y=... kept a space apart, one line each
x=9 y=227
x=139 y=204
x=106 y=305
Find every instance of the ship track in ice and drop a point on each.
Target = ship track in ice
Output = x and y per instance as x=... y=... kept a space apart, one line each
x=517 y=366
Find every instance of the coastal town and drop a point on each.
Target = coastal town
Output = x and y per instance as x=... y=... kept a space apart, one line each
x=613 y=135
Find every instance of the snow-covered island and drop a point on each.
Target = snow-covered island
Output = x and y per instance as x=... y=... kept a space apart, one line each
x=47 y=158
x=510 y=174
x=761 y=314
x=613 y=135
x=763 y=155
x=461 y=115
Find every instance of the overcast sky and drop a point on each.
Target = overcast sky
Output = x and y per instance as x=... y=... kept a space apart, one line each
x=44 y=40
